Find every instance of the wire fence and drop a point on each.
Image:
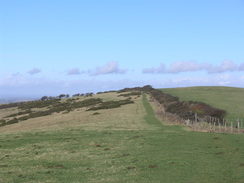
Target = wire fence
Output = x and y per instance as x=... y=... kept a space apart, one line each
x=207 y=124
x=211 y=124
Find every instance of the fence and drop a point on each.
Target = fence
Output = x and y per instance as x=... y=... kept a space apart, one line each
x=212 y=124
x=207 y=124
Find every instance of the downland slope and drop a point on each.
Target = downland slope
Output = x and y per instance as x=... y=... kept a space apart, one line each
x=230 y=99
x=97 y=112
x=127 y=143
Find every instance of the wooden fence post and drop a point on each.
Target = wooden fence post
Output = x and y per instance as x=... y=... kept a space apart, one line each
x=219 y=125
x=196 y=118
x=231 y=126
x=188 y=122
x=210 y=126
x=225 y=125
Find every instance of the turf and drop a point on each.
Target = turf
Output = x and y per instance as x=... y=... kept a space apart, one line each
x=228 y=98
x=146 y=151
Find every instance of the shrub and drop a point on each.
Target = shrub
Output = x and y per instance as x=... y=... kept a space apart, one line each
x=19 y=113
x=130 y=94
x=96 y=113
x=5 y=106
x=111 y=104
x=2 y=122
x=37 y=104
x=15 y=120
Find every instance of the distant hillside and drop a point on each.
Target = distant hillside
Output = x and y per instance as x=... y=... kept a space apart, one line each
x=230 y=99
x=14 y=100
x=55 y=110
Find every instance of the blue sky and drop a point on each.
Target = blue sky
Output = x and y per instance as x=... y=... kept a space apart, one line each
x=48 y=47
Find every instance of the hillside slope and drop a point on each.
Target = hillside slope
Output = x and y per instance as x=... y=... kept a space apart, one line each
x=230 y=99
x=127 y=117
x=123 y=144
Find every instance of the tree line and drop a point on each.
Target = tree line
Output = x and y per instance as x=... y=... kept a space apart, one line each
x=61 y=96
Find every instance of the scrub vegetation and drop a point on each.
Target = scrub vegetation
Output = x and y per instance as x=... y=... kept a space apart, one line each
x=230 y=99
x=127 y=143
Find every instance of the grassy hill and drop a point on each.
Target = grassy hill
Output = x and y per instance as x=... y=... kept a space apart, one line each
x=228 y=98
x=123 y=144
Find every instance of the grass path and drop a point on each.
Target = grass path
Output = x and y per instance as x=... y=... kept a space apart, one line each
x=150 y=117
x=158 y=154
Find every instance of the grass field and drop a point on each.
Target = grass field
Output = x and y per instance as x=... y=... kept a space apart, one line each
x=126 y=144
x=228 y=98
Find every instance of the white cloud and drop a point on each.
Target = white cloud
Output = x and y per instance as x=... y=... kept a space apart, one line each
x=241 y=67
x=25 y=85
x=13 y=80
x=192 y=66
x=208 y=80
x=34 y=71
x=75 y=71
x=177 y=67
x=22 y=85
x=109 y=68
x=225 y=66
x=181 y=66
x=161 y=69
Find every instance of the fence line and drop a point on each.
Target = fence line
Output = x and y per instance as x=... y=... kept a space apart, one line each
x=212 y=124
x=208 y=123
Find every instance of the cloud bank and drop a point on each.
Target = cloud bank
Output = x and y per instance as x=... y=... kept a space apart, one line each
x=225 y=66
x=34 y=71
x=109 y=68
x=192 y=66
x=241 y=67
x=25 y=84
x=75 y=71
x=20 y=85
x=159 y=70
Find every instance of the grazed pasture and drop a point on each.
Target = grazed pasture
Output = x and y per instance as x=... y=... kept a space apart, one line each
x=126 y=144
x=230 y=99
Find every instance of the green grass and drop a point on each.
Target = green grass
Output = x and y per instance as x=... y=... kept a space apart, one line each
x=228 y=98
x=150 y=117
x=146 y=151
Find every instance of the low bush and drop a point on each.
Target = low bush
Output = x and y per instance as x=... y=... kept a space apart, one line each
x=96 y=113
x=5 y=106
x=110 y=105
x=37 y=104
x=2 y=122
x=19 y=113
x=52 y=106
x=12 y=121
x=130 y=94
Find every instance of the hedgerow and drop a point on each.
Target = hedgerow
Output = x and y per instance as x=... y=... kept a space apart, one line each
x=172 y=104
x=185 y=110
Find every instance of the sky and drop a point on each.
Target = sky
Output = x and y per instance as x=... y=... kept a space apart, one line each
x=50 y=47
